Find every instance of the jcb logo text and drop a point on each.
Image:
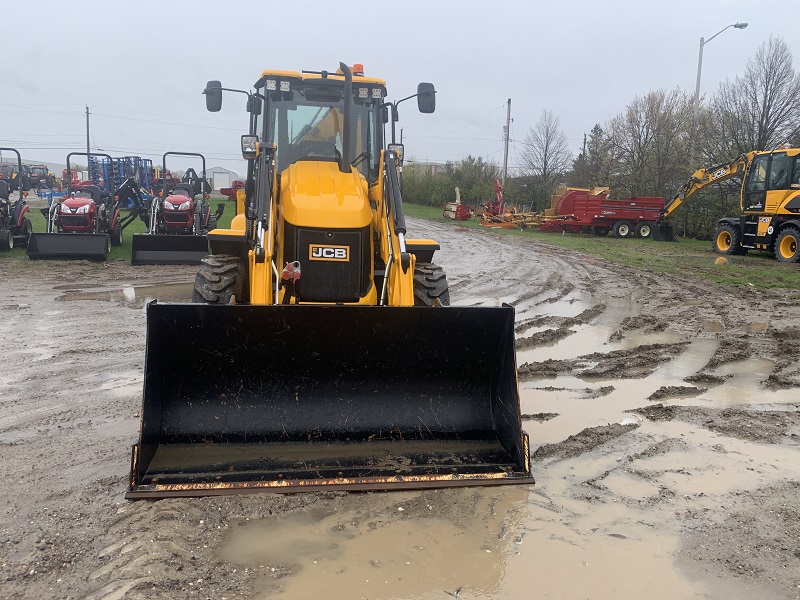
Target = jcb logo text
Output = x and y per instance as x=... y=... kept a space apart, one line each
x=337 y=253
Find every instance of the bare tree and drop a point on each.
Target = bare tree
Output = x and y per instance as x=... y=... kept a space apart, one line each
x=649 y=143
x=759 y=110
x=546 y=156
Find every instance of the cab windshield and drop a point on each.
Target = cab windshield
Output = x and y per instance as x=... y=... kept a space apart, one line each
x=307 y=123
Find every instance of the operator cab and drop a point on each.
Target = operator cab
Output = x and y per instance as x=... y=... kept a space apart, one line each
x=776 y=172
x=303 y=116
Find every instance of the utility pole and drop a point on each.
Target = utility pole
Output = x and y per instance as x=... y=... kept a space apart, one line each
x=506 y=135
x=87 y=134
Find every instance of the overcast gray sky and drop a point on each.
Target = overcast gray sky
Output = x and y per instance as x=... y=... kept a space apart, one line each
x=141 y=66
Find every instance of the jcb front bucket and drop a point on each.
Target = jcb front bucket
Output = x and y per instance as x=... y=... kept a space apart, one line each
x=94 y=246
x=302 y=398
x=149 y=249
x=663 y=232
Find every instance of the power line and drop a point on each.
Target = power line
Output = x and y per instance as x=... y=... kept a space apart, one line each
x=166 y=122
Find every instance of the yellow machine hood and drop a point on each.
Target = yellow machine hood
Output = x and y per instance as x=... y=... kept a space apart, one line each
x=317 y=194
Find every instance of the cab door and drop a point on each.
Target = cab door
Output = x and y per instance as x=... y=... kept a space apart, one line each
x=754 y=188
x=778 y=182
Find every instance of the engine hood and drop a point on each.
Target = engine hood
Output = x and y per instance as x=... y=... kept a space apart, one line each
x=317 y=194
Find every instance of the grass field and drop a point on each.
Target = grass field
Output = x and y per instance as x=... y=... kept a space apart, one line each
x=683 y=258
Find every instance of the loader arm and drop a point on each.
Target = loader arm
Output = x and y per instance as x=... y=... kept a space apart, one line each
x=400 y=263
x=702 y=178
x=130 y=190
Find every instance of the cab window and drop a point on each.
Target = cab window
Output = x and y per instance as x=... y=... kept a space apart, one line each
x=779 y=172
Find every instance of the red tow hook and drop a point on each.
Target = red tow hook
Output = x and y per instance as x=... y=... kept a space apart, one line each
x=291 y=281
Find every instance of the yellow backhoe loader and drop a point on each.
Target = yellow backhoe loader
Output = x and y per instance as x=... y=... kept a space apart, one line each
x=770 y=203
x=320 y=351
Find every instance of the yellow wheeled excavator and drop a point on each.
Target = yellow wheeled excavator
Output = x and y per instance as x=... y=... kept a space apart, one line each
x=320 y=351
x=770 y=204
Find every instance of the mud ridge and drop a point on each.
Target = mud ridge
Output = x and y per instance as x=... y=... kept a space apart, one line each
x=768 y=427
x=675 y=391
x=582 y=442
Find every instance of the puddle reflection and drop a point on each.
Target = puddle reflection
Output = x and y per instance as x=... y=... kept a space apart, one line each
x=133 y=297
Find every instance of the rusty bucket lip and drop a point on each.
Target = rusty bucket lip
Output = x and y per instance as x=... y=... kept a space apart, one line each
x=327 y=485
x=355 y=484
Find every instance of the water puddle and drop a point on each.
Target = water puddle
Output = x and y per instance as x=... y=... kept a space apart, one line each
x=387 y=546
x=133 y=297
x=713 y=326
x=483 y=543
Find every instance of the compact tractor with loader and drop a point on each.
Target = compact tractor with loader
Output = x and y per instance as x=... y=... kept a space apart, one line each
x=42 y=177
x=320 y=351
x=15 y=226
x=178 y=220
x=86 y=223
x=769 y=200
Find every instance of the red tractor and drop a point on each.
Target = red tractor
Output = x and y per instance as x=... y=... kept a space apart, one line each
x=42 y=177
x=181 y=213
x=88 y=210
x=86 y=223
x=15 y=226
x=178 y=220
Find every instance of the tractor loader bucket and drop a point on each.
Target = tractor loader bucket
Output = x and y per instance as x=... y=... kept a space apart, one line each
x=150 y=249
x=663 y=232
x=94 y=246
x=288 y=398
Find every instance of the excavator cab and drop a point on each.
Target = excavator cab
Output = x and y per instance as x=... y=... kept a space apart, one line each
x=320 y=351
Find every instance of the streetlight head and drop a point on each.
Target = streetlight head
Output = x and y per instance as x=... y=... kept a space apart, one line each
x=740 y=25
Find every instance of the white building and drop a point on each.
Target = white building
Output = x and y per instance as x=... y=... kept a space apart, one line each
x=220 y=177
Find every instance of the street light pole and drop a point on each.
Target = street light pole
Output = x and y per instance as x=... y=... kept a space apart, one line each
x=703 y=42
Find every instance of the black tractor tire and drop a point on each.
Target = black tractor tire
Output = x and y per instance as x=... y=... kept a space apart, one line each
x=600 y=231
x=24 y=232
x=623 y=229
x=644 y=229
x=197 y=228
x=116 y=236
x=787 y=246
x=6 y=239
x=727 y=240
x=430 y=285
x=212 y=223
x=221 y=279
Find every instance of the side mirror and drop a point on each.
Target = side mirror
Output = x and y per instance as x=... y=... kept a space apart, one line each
x=254 y=105
x=398 y=150
x=426 y=98
x=385 y=114
x=213 y=93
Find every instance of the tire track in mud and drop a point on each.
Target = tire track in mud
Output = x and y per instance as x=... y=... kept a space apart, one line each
x=485 y=264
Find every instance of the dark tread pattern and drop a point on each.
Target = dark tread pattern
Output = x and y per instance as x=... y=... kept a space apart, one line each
x=219 y=279
x=430 y=284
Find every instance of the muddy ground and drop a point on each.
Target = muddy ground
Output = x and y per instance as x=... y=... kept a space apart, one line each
x=664 y=418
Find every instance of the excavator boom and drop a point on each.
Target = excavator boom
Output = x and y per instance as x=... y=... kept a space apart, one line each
x=700 y=179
